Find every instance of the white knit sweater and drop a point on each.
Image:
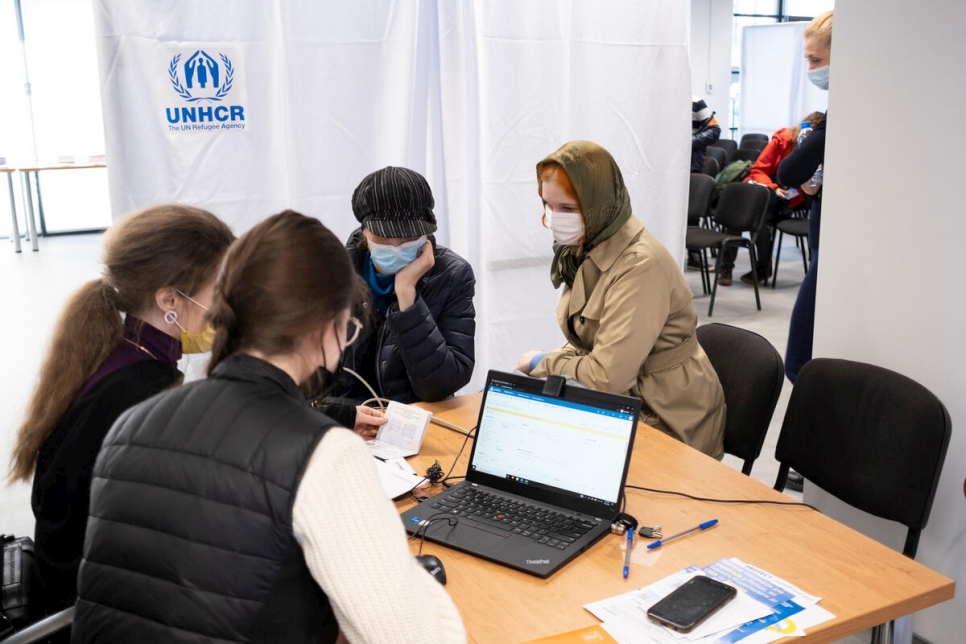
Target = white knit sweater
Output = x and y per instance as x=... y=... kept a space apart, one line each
x=355 y=548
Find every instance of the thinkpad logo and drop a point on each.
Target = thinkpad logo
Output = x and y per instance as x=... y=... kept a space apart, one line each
x=535 y=562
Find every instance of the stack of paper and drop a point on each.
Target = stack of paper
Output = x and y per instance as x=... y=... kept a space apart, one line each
x=766 y=609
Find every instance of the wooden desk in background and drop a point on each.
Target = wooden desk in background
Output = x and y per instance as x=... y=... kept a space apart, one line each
x=34 y=169
x=862 y=582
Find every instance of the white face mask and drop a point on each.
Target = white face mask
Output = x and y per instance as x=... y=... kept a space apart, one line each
x=567 y=227
x=819 y=77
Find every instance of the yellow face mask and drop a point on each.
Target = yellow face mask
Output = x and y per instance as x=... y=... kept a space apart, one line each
x=192 y=341
x=199 y=342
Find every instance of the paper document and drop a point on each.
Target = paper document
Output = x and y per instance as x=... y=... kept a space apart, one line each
x=403 y=434
x=766 y=608
x=396 y=477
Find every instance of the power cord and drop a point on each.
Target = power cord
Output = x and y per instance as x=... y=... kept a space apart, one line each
x=731 y=501
x=467 y=435
x=424 y=525
x=375 y=397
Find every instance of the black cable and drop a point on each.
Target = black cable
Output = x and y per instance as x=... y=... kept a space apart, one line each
x=733 y=501
x=452 y=520
x=468 y=435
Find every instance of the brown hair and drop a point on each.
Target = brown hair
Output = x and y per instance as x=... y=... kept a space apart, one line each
x=287 y=276
x=821 y=28
x=163 y=246
x=795 y=130
x=547 y=172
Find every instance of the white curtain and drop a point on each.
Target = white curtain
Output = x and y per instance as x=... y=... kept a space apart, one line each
x=472 y=94
x=775 y=90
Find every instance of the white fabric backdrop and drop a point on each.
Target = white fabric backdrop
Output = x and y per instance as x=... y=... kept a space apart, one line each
x=473 y=94
x=775 y=90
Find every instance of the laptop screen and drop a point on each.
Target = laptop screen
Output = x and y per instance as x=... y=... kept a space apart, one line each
x=575 y=445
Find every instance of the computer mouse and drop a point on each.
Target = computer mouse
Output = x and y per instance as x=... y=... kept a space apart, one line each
x=434 y=566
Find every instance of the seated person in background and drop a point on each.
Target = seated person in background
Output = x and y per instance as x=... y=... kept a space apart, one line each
x=117 y=343
x=227 y=510
x=626 y=309
x=765 y=172
x=417 y=343
x=705 y=130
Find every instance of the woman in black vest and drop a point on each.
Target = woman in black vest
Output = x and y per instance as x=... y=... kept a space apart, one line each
x=117 y=343
x=229 y=510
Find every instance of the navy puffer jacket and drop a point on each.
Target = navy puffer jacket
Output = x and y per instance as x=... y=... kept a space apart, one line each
x=425 y=353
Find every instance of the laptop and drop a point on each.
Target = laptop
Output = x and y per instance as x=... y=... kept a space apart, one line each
x=545 y=477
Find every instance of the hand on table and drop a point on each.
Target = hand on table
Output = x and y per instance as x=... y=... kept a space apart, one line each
x=368 y=422
x=524 y=364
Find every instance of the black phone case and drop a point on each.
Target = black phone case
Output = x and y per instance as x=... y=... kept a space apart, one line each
x=691 y=603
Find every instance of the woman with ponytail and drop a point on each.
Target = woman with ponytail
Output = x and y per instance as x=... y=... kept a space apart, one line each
x=117 y=343
x=240 y=513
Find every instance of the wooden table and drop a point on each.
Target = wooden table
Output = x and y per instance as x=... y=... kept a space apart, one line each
x=862 y=582
x=34 y=169
x=15 y=229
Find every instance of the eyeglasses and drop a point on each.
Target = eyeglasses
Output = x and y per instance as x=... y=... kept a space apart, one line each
x=352 y=328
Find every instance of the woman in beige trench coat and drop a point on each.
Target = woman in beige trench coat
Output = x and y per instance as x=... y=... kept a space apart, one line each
x=626 y=309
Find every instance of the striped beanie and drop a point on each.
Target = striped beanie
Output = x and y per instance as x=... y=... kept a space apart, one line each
x=395 y=202
x=700 y=113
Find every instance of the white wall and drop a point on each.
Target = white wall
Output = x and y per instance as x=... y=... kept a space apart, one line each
x=891 y=261
x=710 y=52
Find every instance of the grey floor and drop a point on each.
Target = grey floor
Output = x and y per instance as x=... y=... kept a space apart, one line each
x=34 y=287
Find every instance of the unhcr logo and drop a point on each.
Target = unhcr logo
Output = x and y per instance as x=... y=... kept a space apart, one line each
x=204 y=82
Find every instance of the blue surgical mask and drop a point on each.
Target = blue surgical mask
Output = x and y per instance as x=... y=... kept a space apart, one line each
x=392 y=259
x=819 y=77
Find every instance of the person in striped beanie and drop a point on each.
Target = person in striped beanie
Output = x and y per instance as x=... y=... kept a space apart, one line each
x=420 y=325
x=705 y=130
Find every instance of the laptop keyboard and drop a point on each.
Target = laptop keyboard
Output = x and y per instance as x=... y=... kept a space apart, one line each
x=518 y=517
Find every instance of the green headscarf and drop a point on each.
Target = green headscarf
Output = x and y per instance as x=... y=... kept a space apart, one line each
x=603 y=197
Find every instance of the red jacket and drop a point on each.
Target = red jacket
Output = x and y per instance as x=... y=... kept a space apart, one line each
x=766 y=166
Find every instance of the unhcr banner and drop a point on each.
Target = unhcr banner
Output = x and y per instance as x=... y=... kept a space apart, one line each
x=248 y=107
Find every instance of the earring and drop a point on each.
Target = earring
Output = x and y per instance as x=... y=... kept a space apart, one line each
x=171 y=317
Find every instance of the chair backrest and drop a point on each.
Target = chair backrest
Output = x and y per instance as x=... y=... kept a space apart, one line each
x=711 y=166
x=699 y=197
x=751 y=373
x=729 y=146
x=747 y=154
x=742 y=206
x=718 y=154
x=753 y=139
x=869 y=436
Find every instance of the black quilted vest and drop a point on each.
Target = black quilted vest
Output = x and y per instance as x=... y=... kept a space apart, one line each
x=190 y=531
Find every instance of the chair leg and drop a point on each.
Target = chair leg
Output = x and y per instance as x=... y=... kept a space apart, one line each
x=714 y=289
x=706 y=267
x=746 y=467
x=754 y=271
x=778 y=256
x=782 y=477
x=804 y=261
x=884 y=633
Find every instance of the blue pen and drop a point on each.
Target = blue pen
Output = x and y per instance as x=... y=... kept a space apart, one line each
x=627 y=554
x=661 y=542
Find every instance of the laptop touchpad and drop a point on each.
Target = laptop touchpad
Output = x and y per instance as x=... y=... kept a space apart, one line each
x=468 y=535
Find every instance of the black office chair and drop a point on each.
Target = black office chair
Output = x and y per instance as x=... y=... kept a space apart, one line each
x=718 y=154
x=699 y=211
x=869 y=436
x=42 y=630
x=741 y=208
x=711 y=166
x=747 y=154
x=796 y=226
x=753 y=139
x=751 y=373
x=729 y=146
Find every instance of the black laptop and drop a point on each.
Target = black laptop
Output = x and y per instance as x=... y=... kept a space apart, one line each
x=545 y=476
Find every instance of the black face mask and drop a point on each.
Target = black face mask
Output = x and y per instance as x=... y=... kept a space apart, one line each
x=323 y=381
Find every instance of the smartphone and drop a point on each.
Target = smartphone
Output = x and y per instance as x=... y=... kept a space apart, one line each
x=691 y=603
